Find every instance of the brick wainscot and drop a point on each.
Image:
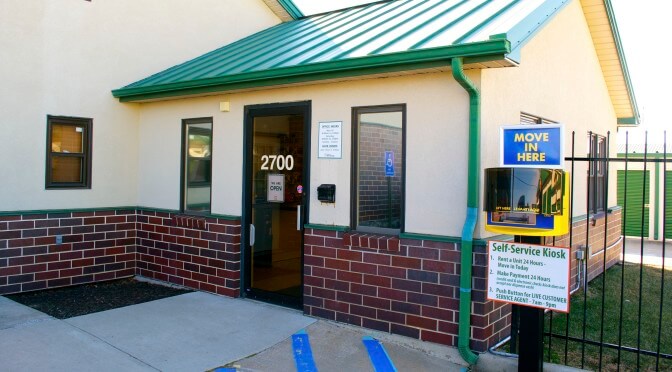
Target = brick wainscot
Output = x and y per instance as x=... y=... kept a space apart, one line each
x=404 y=286
x=407 y=286
x=411 y=286
x=49 y=250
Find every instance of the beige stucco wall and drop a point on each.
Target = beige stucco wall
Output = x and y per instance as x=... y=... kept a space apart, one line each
x=436 y=147
x=568 y=90
x=559 y=78
x=75 y=52
x=64 y=57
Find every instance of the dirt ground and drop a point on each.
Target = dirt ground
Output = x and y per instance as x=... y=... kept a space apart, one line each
x=63 y=303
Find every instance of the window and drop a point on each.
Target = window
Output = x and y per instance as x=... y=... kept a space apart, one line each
x=379 y=141
x=533 y=119
x=597 y=153
x=68 y=153
x=196 y=165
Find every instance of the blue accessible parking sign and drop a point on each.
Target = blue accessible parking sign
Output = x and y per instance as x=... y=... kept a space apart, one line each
x=389 y=163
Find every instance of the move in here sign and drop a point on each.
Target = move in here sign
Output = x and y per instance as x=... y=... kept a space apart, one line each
x=532 y=146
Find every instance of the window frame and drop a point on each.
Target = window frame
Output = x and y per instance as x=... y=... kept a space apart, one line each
x=597 y=158
x=183 y=165
x=86 y=155
x=354 y=175
x=527 y=118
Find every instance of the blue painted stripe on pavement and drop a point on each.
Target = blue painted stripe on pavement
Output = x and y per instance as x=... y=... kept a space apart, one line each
x=225 y=370
x=378 y=355
x=303 y=354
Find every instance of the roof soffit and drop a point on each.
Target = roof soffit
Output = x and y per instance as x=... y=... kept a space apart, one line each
x=604 y=32
x=284 y=9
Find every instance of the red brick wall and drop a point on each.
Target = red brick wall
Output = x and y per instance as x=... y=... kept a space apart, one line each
x=96 y=246
x=374 y=140
x=407 y=287
x=200 y=253
x=592 y=231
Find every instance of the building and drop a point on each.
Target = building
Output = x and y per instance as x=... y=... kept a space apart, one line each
x=331 y=163
x=646 y=214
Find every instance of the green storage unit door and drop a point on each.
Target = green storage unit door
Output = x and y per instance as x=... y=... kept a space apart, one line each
x=632 y=218
x=668 y=205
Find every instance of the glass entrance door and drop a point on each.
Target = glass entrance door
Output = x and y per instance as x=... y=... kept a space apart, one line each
x=275 y=205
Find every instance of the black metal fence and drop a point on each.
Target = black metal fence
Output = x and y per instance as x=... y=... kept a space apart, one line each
x=621 y=305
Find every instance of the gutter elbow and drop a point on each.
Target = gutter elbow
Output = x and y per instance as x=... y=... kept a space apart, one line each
x=468 y=355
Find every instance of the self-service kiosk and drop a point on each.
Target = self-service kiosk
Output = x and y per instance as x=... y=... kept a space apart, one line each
x=527 y=201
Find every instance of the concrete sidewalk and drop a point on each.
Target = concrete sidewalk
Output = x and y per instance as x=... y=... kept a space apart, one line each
x=196 y=332
x=339 y=347
x=191 y=332
x=648 y=252
x=200 y=332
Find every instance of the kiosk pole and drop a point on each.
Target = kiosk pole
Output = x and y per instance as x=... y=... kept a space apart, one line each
x=531 y=328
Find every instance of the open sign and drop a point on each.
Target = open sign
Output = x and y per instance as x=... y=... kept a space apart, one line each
x=276 y=188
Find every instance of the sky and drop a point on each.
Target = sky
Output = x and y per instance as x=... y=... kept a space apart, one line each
x=643 y=25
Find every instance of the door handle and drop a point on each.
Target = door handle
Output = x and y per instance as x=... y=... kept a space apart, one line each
x=252 y=234
x=298 y=217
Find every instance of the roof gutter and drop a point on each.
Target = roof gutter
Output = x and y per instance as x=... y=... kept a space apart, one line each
x=386 y=63
x=473 y=182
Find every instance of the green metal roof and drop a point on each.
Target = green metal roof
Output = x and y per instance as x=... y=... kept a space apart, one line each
x=375 y=38
x=291 y=9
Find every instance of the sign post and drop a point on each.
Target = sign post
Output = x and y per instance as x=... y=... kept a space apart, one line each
x=531 y=351
x=530 y=204
x=532 y=277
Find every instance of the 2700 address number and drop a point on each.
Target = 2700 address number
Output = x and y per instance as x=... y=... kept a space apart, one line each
x=279 y=162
